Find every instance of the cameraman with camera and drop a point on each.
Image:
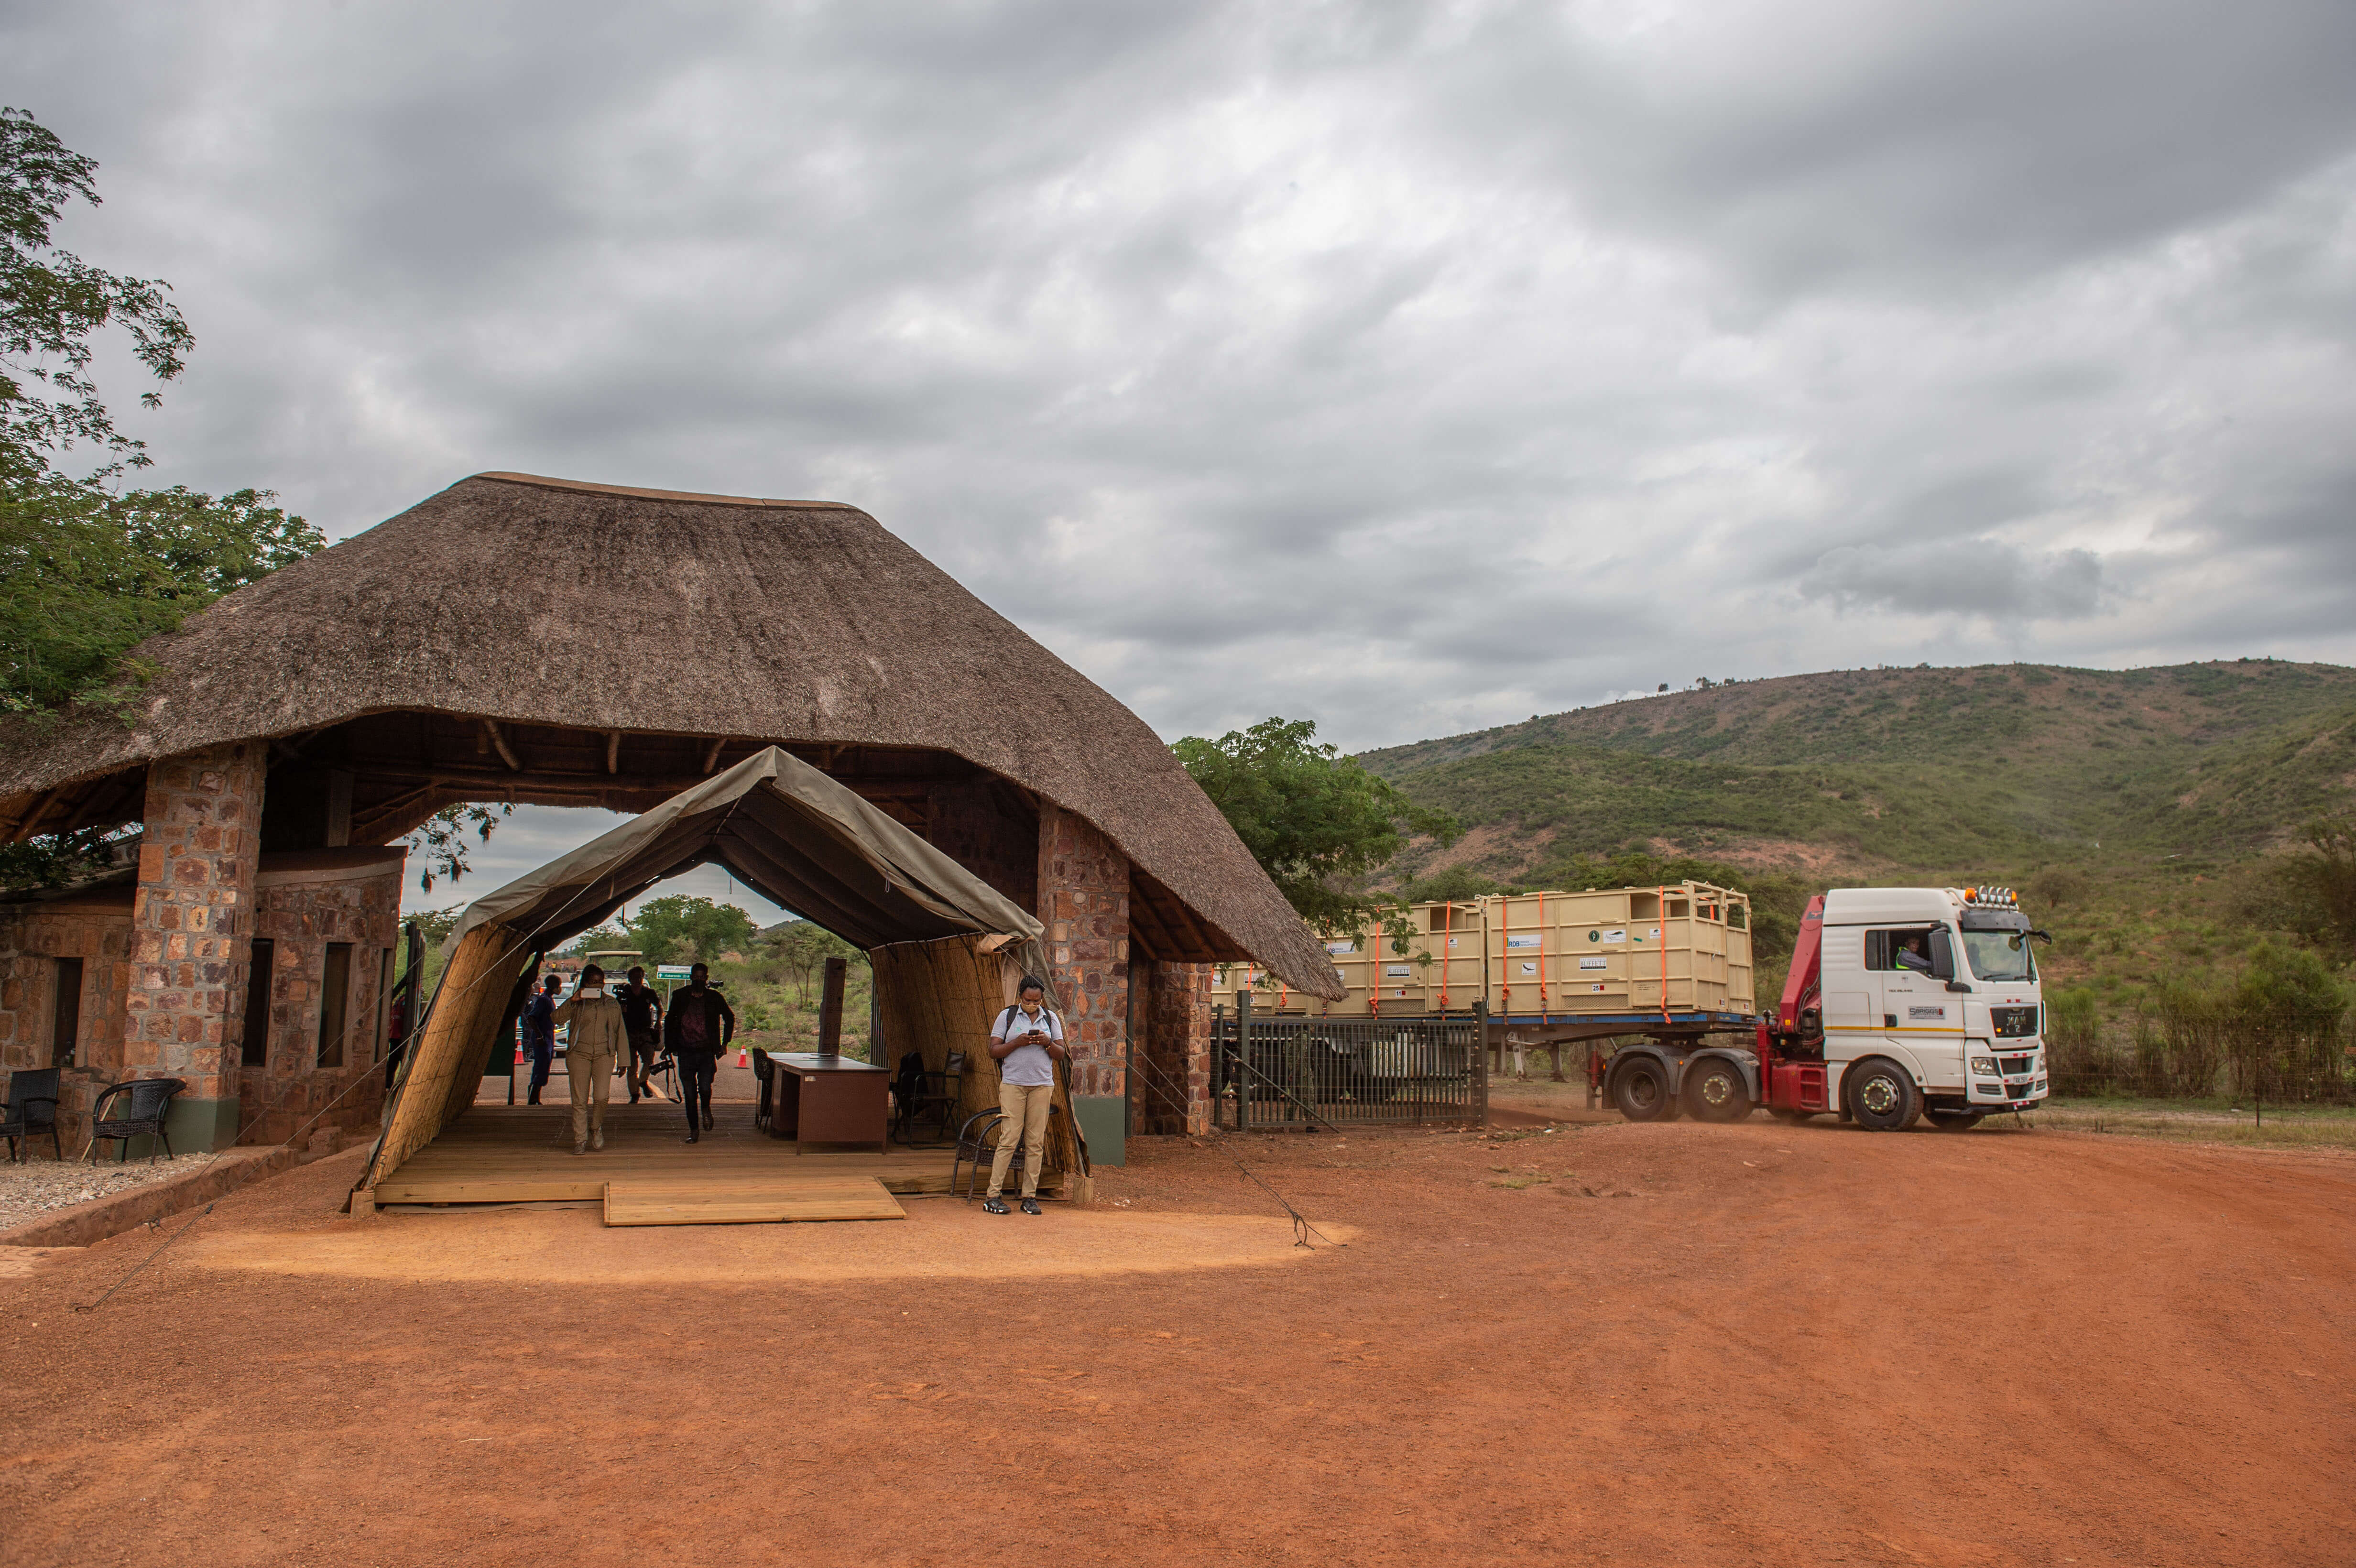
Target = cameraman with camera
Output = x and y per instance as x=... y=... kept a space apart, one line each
x=1026 y=1042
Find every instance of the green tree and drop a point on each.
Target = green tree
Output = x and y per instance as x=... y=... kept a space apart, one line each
x=801 y=948
x=2322 y=882
x=1317 y=822
x=678 y=928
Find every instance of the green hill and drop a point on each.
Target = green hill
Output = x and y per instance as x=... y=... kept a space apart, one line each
x=1975 y=772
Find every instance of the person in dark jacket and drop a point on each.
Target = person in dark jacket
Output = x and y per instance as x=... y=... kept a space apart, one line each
x=540 y=1034
x=642 y=1013
x=697 y=1029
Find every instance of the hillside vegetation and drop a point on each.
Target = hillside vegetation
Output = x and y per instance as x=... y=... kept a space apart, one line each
x=2153 y=817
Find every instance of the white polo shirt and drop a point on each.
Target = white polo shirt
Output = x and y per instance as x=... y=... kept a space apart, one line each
x=1028 y=1065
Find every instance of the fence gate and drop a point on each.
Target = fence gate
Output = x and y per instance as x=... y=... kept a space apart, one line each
x=1302 y=1072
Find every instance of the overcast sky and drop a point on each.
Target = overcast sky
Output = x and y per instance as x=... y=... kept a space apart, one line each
x=1411 y=369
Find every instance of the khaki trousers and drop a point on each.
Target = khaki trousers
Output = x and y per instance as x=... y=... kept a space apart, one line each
x=589 y=1072
x=1024 y=1106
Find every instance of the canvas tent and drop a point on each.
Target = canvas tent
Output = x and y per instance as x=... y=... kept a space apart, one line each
x=945 y=944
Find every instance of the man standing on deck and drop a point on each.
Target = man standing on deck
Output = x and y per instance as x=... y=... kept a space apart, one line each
x=697 y=1031
x=597 y=1036
x=642 y=1016
x=1026 y=1042
x=539 y=1034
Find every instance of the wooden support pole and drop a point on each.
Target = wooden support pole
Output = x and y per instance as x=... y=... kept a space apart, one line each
x=711 y=755
x=613 y=751
x=830 y=1008
x=506 y=753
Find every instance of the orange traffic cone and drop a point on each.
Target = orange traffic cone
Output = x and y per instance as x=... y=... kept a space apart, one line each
x=743 y=1060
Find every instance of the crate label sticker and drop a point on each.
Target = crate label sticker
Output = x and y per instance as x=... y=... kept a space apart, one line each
x=1402 y=990
x=1596 y=962
x=1926 y=1012
x=1395 y=971
x=1529 y=968
x=1521 y=944
x=1615 y=937
x=1341 y=947
x=1597 y=989
x=1452 y=942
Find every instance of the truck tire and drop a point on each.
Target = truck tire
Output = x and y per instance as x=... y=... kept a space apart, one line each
x=1882 y=1097
x=1954 y=1121
x=1639 y=1091
x=1715 y=1091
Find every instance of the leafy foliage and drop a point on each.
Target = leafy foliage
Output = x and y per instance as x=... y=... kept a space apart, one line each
x=52 y=303
x=1316 y=821
x=679 y=929
x=442 y=844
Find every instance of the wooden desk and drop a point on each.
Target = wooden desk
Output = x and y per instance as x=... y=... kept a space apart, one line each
x=830 y=1100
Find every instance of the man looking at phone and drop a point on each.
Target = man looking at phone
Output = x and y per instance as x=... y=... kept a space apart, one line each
x=1026 y=1042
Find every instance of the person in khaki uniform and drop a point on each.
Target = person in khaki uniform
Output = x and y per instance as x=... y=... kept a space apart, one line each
x=599 y=1037
x=1026 y=1042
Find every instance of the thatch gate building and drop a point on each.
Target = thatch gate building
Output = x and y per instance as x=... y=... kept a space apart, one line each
x=539 y=641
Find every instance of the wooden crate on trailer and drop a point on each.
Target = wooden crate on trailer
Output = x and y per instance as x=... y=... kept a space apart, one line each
x=1436 y=970
x=1684 y=947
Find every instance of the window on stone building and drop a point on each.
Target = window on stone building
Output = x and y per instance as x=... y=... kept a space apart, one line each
x=65 y=1030
x=335 y=1002
x=255 y=1052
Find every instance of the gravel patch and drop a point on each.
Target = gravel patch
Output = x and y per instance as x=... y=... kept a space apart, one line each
x=38 y=1185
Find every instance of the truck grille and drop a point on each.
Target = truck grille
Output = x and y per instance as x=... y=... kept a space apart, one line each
x=2013 y=1023
x=2014 y=1066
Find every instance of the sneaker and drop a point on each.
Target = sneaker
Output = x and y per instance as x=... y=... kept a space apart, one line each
x=581 y=1148
x=692 y=1138
x=634 y=1099
x=707 y=1121
x=992 y=1206
x=597 y=1138
x=1031 y=1206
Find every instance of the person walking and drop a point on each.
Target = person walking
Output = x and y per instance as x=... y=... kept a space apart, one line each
x=642 y=1016
x=596 y=1038
x=1026 y=1042
x=539 y=1034
x=698 y=1029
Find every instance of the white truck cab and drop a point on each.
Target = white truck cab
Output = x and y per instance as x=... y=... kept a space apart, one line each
x=1942 y=983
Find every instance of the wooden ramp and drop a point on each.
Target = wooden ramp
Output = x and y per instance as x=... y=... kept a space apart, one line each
x=750 y=1202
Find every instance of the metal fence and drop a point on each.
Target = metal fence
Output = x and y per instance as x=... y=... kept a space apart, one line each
x=1337 y=1073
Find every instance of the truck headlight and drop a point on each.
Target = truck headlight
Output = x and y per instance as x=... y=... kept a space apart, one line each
x=1985 y=1065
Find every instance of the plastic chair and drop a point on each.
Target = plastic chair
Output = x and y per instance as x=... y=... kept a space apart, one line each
x=767 y=1071
x=149 y=1102
x=977 y=1145
x=30 y=1089
x=923 y=1094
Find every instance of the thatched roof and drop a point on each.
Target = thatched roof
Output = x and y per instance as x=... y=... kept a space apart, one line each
x=516 y=598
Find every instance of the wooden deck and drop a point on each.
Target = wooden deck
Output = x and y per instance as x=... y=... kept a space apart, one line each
x=519 y=1154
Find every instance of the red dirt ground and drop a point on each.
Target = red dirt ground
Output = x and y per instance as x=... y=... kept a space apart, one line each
x=1798 y=1346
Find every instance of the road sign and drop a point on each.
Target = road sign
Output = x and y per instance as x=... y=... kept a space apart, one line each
x=674 y=971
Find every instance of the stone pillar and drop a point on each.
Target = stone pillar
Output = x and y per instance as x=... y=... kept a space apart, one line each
x=191 y=936
x=1084 y=903
x=1174 y=1094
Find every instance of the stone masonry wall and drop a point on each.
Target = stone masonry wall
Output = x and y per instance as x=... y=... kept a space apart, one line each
x=302 y=901
x=96 y=928
x=1084 y=903
x=1175 y=1020
x=968 y=823
x=191 y=919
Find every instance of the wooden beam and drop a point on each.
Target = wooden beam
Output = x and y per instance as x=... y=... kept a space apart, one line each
x=31 y=826
x=613 y=751
x=711 y=755
x=506 y=753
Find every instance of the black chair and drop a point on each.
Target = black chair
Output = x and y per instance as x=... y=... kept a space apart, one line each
x=767 y=1071
x=923 y=1095
x=32 y=1108
x=976 y=1145
x=147 y=1102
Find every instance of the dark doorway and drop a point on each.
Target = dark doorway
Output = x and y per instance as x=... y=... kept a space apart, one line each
x=335 y=1002
x=255 y=1052
x=65 y=1030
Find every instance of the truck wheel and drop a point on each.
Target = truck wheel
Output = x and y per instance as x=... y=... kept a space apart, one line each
x=1639 y=1091
x=1954 y=1121
x=1715 y=1092
x=1882 y=1097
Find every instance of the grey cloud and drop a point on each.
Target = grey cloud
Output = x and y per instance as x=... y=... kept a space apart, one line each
x=1958 y=577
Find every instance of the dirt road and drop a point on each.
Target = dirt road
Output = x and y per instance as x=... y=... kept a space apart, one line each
x=1782 y=1346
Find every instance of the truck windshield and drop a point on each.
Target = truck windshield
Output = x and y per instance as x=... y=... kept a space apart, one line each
x=2000 y=954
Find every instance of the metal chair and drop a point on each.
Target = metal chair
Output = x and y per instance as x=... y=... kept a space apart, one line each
x=922 y=1095
x=975 y=1145
x=149 y=1102
x=767 y=1071
x=30 y=1089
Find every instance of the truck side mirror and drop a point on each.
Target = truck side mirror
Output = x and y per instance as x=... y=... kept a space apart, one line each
x=1942 y=957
